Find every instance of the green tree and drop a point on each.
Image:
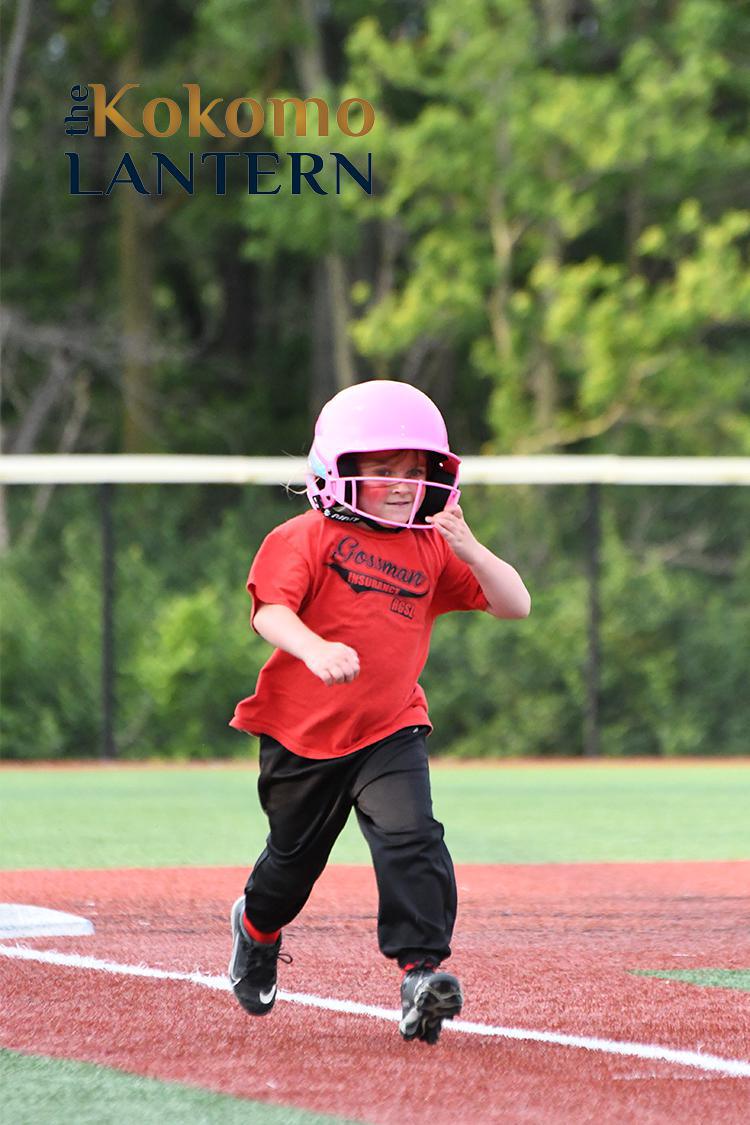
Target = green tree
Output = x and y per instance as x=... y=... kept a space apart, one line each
x=569 y=196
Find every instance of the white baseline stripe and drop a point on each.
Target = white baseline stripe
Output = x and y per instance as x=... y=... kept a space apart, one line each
x=733 y=1068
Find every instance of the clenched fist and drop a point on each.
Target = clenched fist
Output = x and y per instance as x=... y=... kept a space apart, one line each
x=333 y=663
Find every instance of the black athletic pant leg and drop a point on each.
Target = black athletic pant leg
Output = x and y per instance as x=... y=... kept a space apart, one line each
x=307 y=802
x=414 y=871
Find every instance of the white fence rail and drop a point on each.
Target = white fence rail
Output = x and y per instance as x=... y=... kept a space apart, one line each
x=92 y=468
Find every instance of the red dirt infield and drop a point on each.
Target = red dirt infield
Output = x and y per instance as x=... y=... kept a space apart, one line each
x=548 y=948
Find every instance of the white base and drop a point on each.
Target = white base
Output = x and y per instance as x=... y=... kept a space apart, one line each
x=20 y=921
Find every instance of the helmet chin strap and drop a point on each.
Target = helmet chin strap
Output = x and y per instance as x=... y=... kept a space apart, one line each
x=341 y=515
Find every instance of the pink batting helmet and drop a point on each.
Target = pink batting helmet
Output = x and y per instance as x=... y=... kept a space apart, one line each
x=379 y=415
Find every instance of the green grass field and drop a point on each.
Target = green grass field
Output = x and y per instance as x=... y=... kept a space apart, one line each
x=705 y=978
x=56 y=1091
x=516 y=813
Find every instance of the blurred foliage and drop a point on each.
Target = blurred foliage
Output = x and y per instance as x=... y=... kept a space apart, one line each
x=184 y=650
x=556 y=251
x=675 y=643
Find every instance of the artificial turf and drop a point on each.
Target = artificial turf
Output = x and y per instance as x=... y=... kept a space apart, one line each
x=147 y=816
x=706 y=978
x=152 y=817
x=61 y=1092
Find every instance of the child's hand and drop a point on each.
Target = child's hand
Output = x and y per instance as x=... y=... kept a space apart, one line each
x=456 y=532
x=333 y=663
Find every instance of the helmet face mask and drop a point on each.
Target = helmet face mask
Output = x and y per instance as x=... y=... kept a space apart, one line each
x=374 y=417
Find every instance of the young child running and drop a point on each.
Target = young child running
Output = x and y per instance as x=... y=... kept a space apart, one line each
x=347 y=595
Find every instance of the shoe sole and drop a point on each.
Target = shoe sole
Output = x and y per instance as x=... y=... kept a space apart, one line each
x=234 y=919
x=440 y=998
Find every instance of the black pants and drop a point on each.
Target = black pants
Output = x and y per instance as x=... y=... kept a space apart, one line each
x=308 y=801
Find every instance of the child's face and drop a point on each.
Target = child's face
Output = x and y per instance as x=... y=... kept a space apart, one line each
x=393 y=499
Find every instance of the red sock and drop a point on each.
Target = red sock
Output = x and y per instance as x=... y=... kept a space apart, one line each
x=258 y=935
x=414 y=964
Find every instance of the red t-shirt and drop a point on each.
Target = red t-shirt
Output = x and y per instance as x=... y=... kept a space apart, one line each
x=376 y=591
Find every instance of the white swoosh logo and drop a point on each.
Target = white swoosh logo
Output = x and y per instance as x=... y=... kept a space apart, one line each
x=267 y=997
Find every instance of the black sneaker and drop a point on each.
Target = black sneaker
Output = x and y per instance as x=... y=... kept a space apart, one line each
x=428 y=997
x=252 y=968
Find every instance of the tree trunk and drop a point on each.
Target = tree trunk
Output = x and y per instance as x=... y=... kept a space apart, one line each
x=136 y=277
x=502 y=246
x=310 y=66
x=634 y=208
x=544 y=379
x=554 y=14
x=338 y=304
x=4 y=525
x=322 y=384
x=11 y=68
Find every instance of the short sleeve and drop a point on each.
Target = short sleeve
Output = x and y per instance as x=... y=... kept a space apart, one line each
x=457 y=588
x=279 y=575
